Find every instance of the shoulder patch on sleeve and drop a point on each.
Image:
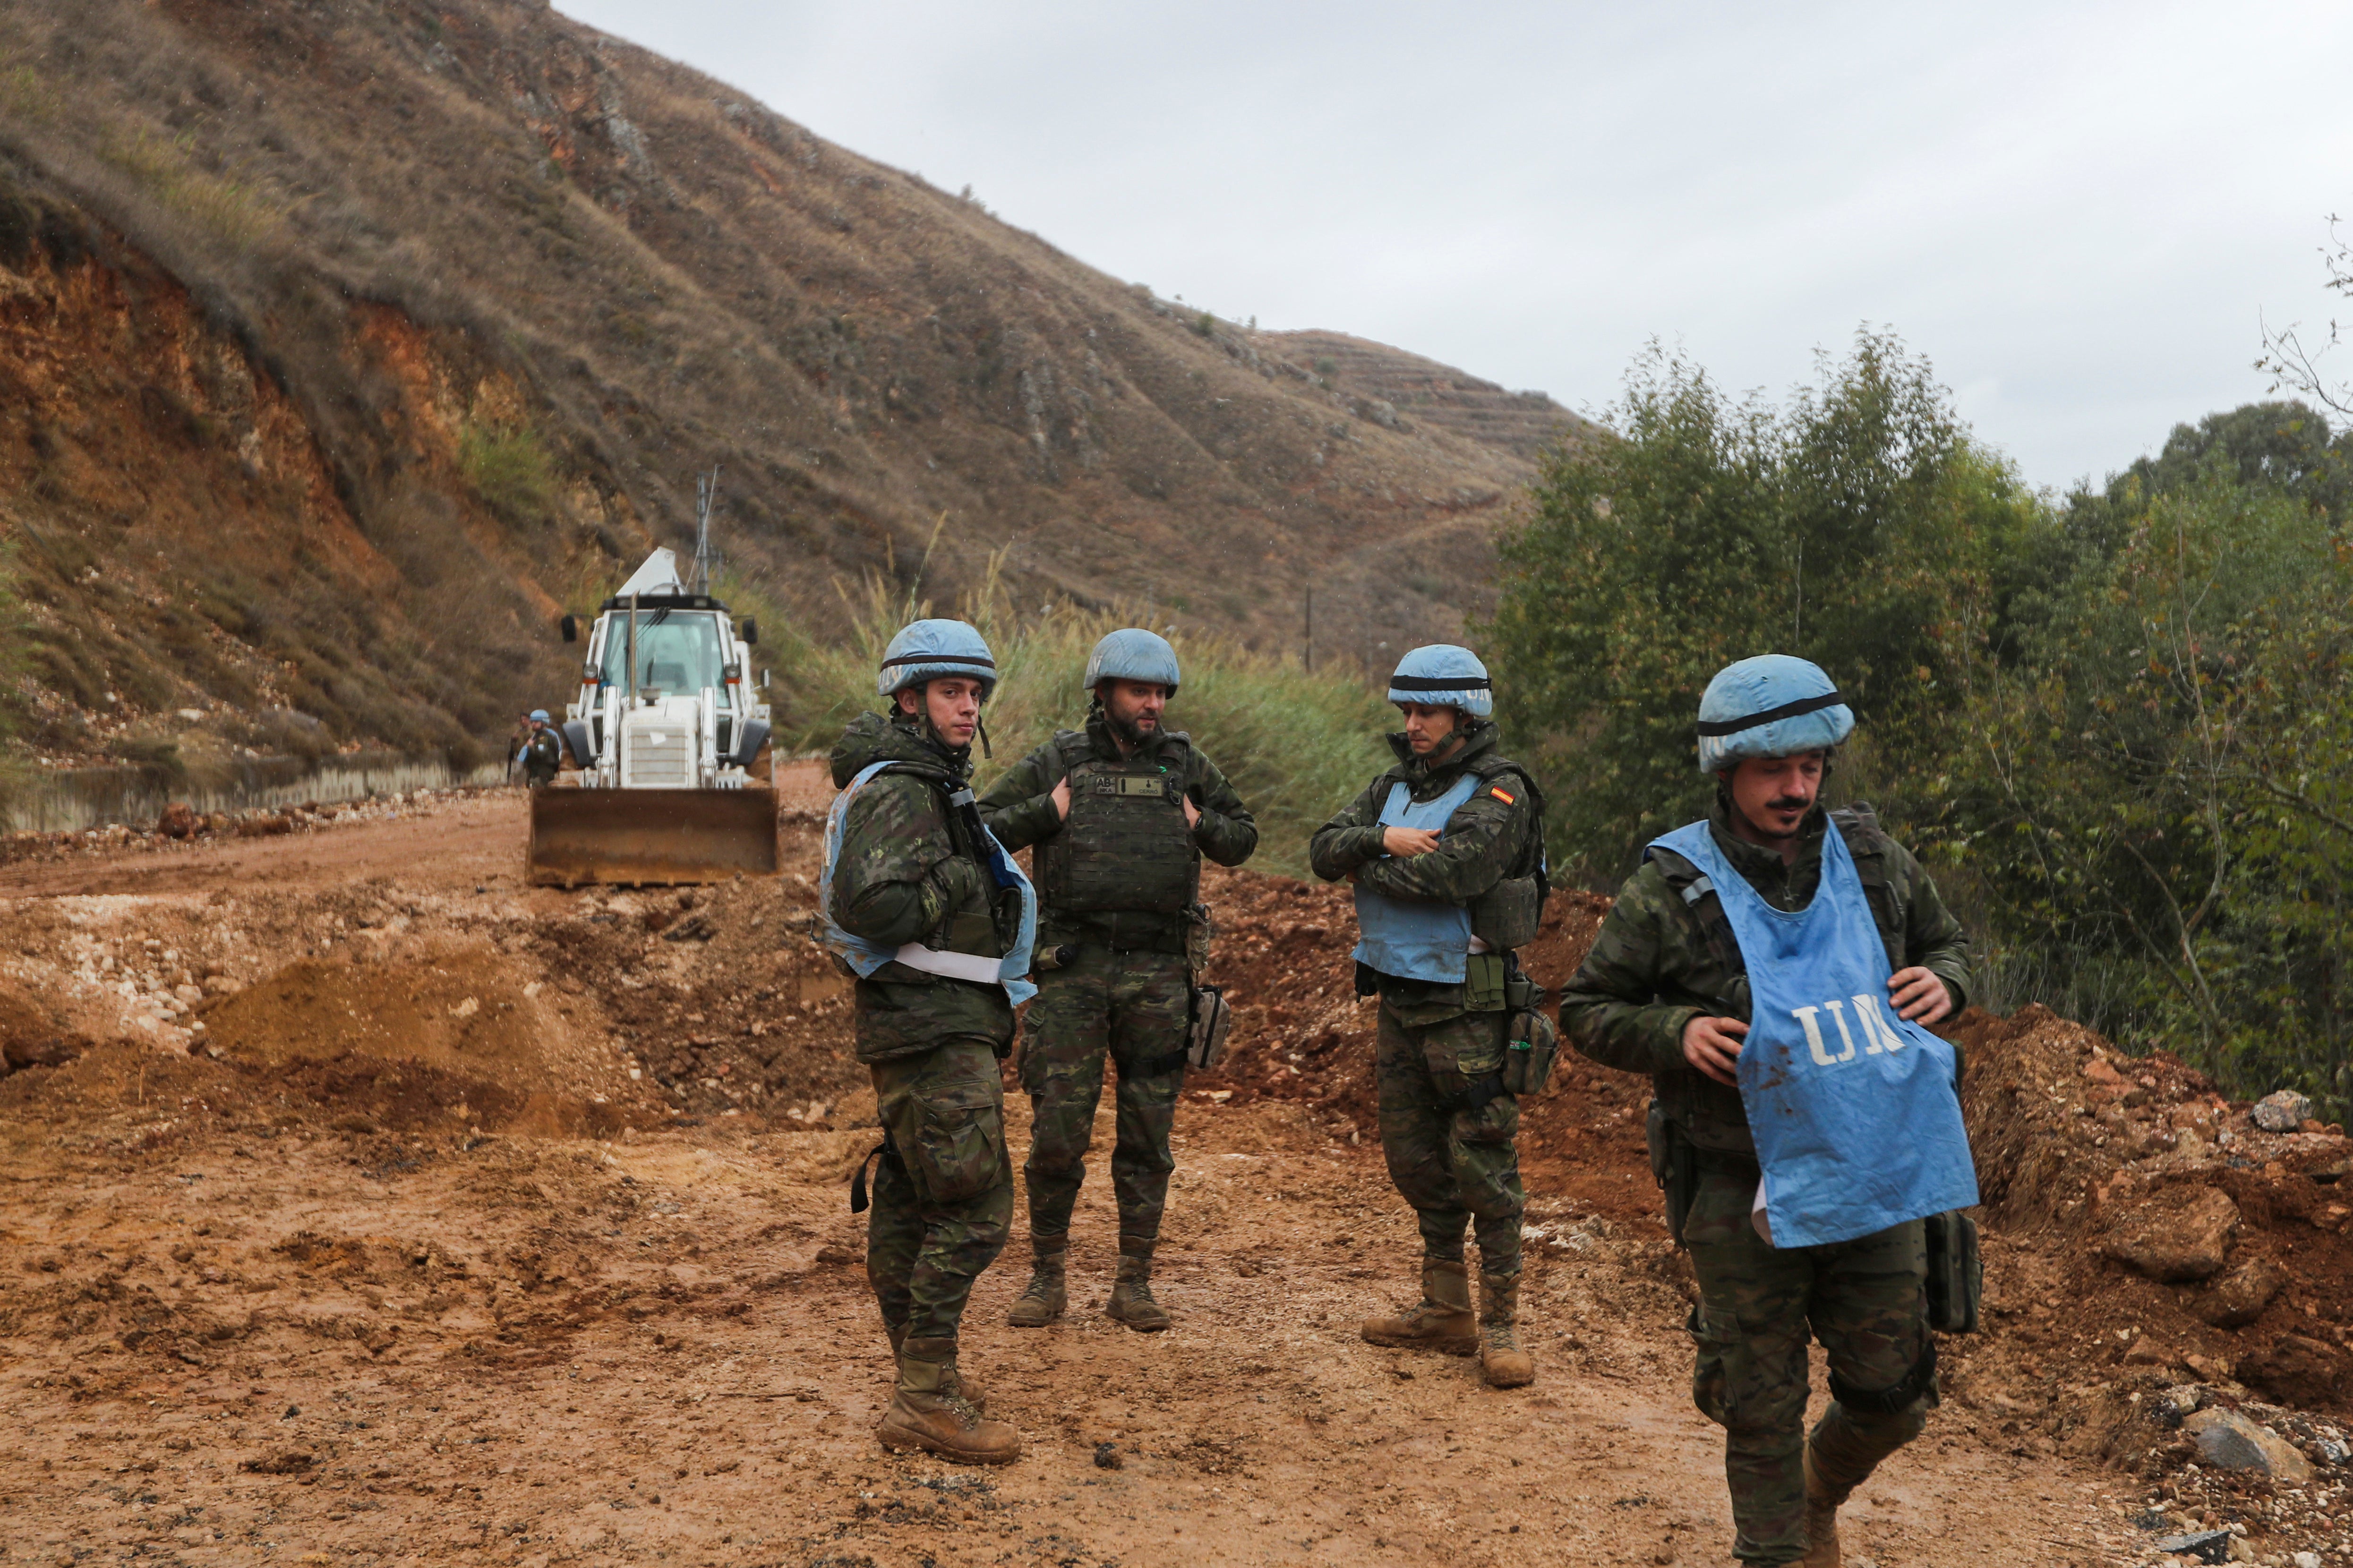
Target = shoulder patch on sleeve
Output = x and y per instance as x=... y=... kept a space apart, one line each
x=1500 y=792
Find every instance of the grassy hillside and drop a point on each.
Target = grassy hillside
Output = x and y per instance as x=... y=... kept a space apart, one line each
x=346 y=345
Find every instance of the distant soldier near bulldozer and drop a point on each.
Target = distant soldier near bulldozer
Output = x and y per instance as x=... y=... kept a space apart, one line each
x=936 y=922
x=1772 y=968
x=1121 y=813
x=542 y=751
x=1445 y=850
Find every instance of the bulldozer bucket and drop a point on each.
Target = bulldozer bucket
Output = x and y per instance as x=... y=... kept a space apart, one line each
x=582 y=836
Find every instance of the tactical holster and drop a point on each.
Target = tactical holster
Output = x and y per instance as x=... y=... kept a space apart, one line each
x=1673 y=1165
x=885 y=1150
x=1678 y=1164
x=1955 y=1282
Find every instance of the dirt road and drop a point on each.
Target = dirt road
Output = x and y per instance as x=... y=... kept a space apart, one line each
x=493 y=1223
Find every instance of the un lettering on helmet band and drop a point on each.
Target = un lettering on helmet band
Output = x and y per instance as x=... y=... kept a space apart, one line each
x=1878 y=1036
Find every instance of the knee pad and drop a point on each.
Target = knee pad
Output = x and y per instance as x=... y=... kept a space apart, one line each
x=1874 y=1406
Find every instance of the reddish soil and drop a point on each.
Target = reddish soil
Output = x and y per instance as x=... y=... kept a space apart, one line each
x=509 y=1226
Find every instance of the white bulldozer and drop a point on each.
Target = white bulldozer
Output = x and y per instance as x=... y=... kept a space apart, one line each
x=666 y=733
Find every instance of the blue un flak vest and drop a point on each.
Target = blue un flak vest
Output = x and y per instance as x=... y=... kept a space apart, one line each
x=1853 y=1110
x=1010 y=972
x=1415 y=939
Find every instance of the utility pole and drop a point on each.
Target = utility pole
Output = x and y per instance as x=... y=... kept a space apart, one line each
x=706 y=494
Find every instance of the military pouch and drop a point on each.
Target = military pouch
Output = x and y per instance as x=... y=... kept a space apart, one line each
x=1675 y=1164
x=1199 y=929
x=969 y=930
x=959 y=1144
x=1506 y=916
x=1955 y=1282
x=1484 y=976
x=1528 y=1054
x=1204 y=1042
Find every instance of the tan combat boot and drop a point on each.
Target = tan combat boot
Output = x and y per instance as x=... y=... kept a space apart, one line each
x=1502 y=1361
x=1131 y=1296
x=964 y=1386
x=1044 y=1298
x=1822 y=1501
x=927 y=1413
x=1442 y=1321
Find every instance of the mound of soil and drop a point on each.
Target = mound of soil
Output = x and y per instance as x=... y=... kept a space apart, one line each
x=32 y=1035
x=2149 y=1226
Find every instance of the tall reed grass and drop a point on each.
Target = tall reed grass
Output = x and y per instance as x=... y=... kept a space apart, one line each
x=1296 y=745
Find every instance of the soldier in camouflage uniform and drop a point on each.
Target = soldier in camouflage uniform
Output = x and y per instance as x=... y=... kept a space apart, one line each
x=1665 y=990
x=916 y=909
x=1120 y=815
x=1445 y=850
x=543 y=753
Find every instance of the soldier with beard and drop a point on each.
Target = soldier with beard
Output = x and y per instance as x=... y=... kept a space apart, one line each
x=1120 y=813
x=936 y=921
x=1671 y=988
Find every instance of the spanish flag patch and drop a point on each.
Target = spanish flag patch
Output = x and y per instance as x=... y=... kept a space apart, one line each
x=1500 y=792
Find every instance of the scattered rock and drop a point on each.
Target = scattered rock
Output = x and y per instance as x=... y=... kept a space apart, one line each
x=2205 y=1545
x=2282 y=1112
x=285 y=1462
x=179 y=821
x=2227 y=1438
x=2178 y=1241
x=2240 y=1296
x=1107 y=1457
x=2178 y=1404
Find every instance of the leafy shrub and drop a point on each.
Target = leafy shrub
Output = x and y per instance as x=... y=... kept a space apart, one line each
x=1857 y=527
x=510 y=469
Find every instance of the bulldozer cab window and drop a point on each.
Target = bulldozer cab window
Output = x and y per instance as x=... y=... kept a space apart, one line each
x=677 y=651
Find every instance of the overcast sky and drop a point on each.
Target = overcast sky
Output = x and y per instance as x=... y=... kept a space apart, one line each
x=2080 y=213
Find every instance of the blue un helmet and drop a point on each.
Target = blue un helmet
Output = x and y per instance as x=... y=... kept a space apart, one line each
x=926 y=649
x=1443 y=676
x=1131 y=653
x=1770 y=706
x=539 y=716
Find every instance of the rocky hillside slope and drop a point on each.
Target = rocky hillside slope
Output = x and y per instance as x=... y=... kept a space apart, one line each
x=345 y=344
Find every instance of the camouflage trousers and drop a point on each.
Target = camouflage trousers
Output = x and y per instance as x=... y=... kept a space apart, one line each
x=1132 y=1010
x=1863 y=1300
x=944 y=1196
x=1456 y=1167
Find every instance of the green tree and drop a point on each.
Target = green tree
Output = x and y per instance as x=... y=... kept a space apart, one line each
x=1859 y=526
x=2155 y=798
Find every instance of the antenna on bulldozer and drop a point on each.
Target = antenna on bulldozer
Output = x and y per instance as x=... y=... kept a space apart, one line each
x=706 y=495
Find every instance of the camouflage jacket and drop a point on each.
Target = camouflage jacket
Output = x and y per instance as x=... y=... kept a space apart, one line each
x=1485 y=842
x=1019 y=806
x=544 y=751
x=1655 y=966
x=908 y=870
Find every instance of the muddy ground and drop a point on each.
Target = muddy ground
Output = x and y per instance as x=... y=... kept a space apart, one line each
x=363 y=1205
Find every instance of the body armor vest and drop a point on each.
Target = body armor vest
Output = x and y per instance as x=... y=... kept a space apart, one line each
x=1125 y=847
